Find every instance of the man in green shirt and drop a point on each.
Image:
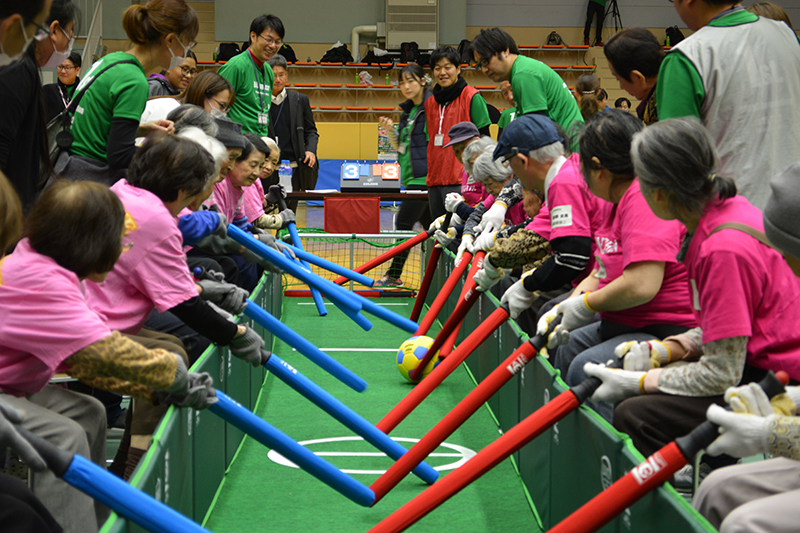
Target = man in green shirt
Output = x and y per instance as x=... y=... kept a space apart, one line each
x=251 y=77
x=508 y=114
x=739 y=74
x=537 y=88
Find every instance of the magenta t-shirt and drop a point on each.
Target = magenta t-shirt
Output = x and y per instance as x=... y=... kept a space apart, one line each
x=472 y=192
x=514 y=214
x=228 y=199
x=637 y=235
x=540 y=224
x=253 y=201
x=44 y=319
x=150 y=274
x=740 y=287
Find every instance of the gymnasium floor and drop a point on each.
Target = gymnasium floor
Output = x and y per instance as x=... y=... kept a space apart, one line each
x=259 y=494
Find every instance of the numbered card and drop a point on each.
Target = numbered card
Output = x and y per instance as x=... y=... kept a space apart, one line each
x=391 y=171
x=350 y=171
x=377 y=170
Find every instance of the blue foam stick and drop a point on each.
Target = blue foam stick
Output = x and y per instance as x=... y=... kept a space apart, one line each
x=233 y=413
x=128 y=502
x=333 y=267
x=328 y=288
x=341 y=299
x=299 y=244
x=352 y=420
x=297 y=341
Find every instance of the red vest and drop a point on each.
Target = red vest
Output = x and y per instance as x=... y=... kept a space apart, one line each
x=443 y=167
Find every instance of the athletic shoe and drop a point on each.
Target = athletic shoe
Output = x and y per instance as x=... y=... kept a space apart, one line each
x=599 y=43
x=388 y=281
x=586 y=42
x=683 y=479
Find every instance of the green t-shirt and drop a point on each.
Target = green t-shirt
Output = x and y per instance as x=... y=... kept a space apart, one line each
x=121 y=92
x=253 y=89
x=404 y=159
x=680 y=91
x=506 y=116
x=537 y=87
x=478 y=112
x=601 y=2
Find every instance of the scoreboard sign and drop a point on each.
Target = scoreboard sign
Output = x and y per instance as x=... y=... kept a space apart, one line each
x=365 y=177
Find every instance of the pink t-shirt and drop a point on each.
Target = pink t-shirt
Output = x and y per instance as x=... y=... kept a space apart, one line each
x=637 y=235
x=44 y=319
x=253 y=201
x=540 y=224
x=740 y=287
x=472 y=192
x=228 y=199
x=152 y=273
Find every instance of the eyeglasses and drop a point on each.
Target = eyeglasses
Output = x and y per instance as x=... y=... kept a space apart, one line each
x=222 y=105
x=271 y=42
x=188 y=71
x=62 y=68
x=512 y=152
x=484 y=62
x=41 y=32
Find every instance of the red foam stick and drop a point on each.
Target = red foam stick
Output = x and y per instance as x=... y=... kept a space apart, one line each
x=430 y=270
x=388 y=254
x=443 y=369
x=485 y=460
x=650 y=474
x=444 y=294
x=454 y=419
x=469 y=297
x=469 y=285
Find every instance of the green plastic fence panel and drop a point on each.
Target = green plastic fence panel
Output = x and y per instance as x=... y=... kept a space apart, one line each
x=237 y=386
x=114 y=525
x=508 y=396
x=149 y=474
x=534 y=458
x=208 y=445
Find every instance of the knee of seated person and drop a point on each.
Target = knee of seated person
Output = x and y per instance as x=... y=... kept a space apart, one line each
x=624 y=419
x=70 y=436
x=743 y=519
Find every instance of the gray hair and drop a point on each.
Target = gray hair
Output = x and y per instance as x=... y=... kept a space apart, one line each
x=272 y=145
x=278 y=61
x=547 y=153
x=217 y=150
x=679 y=157
x=190 y=115
x=476 y=148
x=486 y=167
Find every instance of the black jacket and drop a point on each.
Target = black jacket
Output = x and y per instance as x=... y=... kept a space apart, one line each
x=53 y=103
x=418 y=145
x=304 y=136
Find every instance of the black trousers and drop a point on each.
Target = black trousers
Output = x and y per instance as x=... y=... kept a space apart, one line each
x=594 y=9
x=21 y=511
x=410 y=212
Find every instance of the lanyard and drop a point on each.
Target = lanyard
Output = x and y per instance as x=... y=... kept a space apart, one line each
x=258 y=90
x=442 y=109
x=280 y=110
x=65 y=101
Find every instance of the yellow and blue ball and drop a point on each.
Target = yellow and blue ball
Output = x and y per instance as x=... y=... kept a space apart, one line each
x=411 y=353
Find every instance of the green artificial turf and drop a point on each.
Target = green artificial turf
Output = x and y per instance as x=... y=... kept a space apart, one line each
x=261 y=495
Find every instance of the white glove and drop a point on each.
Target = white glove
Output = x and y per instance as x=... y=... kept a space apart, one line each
x=444 y=239
x=452 y=201
x=559 y=336
x=751 y=399
x=617 y=384
x=741 y=435
x=492 y=220
x=643 y=355
x=486 y=277
x=437 y=224
x=485 y=240
x=518 y=298
x=465 y=246
x=575 y=312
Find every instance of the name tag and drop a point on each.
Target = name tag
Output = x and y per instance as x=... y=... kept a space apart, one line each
x=561 y=216
x=263 y=119
x=438 y=140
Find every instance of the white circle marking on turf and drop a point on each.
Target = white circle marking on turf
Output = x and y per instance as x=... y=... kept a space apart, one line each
x=464 y=454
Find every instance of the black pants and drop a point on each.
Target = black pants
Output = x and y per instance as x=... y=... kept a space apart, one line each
x=21 y=511
x=594 y=9
x=411 y=211
x=436 y=196
x=304 y=178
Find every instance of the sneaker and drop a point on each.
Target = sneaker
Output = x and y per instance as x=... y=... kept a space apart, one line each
x=683 y=479
x=388 y=281
x=599 y=43
x=586 y=42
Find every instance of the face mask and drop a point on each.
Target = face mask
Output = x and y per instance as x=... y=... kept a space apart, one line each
x=59 y=57
x=216 y=113
x=6 y=59
x=176 y=61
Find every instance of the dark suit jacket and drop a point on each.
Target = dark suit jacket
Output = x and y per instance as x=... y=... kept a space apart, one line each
x=304 y=129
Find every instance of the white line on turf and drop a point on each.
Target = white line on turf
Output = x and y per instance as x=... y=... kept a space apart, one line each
x=329 y=303
x=355 y=349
